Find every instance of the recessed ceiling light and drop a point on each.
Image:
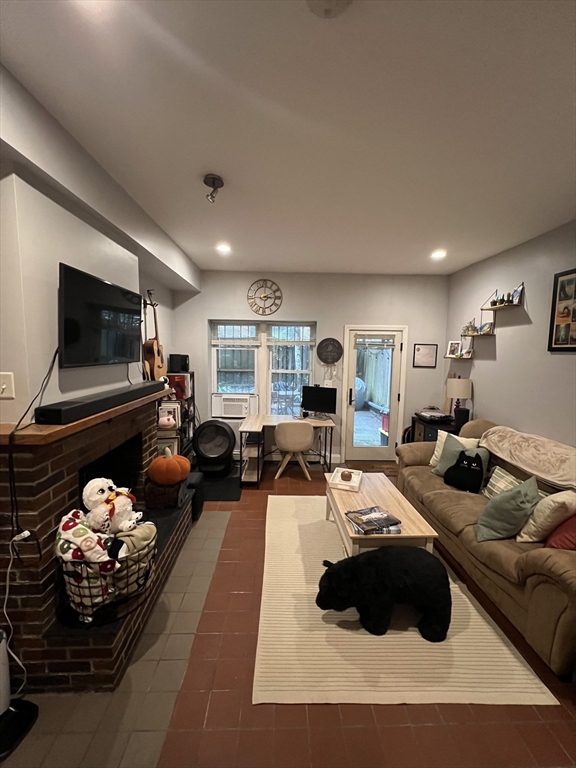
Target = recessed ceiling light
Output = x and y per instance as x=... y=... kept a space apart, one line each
x=437 y=255
x=223 y=248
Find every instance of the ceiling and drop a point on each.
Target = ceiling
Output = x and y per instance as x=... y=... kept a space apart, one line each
x=356 y=144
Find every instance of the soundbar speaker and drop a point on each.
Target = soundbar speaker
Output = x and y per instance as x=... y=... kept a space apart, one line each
x=68 y=411
x=178 y=364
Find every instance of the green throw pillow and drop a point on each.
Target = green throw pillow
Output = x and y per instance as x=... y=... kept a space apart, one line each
x=506 y=513
x=451 y=451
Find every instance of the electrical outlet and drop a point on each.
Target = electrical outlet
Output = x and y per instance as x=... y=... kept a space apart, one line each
x=7 y=386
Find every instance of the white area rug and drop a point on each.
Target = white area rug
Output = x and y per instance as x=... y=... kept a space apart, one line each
x=307 y=656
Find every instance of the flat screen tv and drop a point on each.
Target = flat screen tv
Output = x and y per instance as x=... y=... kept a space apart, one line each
x=319 y=399
x=98 y=322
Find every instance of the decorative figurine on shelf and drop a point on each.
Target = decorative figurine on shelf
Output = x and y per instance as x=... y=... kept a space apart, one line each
x=109 y=508
x=470 y=328
x=167 y=422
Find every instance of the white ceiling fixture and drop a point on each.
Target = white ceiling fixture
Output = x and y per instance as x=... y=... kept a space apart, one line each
x=438 y=255
x=223 y=248
x=328 y=9
x=456 y=120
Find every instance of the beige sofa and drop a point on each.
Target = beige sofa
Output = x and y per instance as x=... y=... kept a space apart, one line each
x=533 y=586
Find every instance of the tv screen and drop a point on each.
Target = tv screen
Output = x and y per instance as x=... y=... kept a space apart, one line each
x=319 y=399
x=98 y=322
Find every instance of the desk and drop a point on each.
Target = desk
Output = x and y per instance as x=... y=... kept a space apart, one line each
x=253 y=452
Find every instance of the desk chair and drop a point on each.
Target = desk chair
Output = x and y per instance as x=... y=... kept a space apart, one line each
x=293 y=437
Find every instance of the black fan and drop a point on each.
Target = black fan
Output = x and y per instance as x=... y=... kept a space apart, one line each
x=213 y=444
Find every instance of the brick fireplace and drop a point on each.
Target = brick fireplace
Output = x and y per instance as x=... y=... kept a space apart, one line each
x=52 y=464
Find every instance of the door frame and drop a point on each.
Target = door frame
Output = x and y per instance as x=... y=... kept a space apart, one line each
x=401 y=329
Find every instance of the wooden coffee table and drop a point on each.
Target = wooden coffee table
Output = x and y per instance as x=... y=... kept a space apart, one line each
x=376 y=488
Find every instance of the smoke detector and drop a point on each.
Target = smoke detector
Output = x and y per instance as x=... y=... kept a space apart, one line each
x=328 y=9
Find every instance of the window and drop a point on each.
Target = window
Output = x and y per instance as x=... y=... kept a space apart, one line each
x=290 y=365
x=234 y=358
x=271 y=359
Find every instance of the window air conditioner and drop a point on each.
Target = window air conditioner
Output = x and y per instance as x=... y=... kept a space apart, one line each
x=234 y=406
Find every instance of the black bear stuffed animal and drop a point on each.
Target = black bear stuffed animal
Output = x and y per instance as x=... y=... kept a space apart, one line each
x=373 y=582
x=467 y=474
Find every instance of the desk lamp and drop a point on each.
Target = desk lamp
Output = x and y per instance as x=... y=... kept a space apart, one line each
x=456 y=389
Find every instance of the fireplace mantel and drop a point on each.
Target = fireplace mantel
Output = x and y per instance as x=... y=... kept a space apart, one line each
x=43 y=434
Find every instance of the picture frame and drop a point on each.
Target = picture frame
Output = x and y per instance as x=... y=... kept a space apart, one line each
x=562 y=334
x=468 y=353
x=425 y=356
x=454 y=348
x=171 y=408
x=517 y=294
x=173 y=443
x=486 y=329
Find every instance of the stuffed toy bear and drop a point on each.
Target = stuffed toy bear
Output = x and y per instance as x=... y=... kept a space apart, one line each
x=374 y=581
x=109 y=508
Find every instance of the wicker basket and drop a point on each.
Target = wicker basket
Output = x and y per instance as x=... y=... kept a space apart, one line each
x=89 y=591
x=162 y=496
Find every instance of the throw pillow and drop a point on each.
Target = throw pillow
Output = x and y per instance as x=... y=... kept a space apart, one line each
x=564 y=537
x=466 y=474
x=506 y=513
x=451 y=452
x=500 y=481
x=548 y=515
x=466 y=442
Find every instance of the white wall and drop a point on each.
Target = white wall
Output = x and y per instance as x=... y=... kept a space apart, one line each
x=332 y=301
x=31 y=131
x=37 y=234
x=516 y=381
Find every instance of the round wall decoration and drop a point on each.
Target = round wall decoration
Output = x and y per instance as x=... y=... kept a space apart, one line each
x=264 y=297
x=329 y=351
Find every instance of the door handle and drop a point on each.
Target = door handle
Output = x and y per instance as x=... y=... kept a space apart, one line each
x=350 y=400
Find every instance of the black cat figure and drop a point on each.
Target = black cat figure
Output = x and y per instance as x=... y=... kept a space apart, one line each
x=466 y=474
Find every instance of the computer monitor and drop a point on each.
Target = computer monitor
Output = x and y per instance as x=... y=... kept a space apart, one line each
x=319 y=399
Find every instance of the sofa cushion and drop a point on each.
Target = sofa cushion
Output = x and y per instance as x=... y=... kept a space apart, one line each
x=451 y=453
x=548 y=515
x=564 y=537
x=454 y=509
x=420 y=480
x=506 y=513
x=467 y=442
x=503 y=556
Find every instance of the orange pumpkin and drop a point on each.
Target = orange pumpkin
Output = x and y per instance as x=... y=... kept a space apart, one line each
x=168 y=469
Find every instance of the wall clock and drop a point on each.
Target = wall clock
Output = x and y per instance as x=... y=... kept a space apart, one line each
x=329 y=351
x=264 y=297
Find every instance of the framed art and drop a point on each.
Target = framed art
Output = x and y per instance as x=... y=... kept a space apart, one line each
x=172 y=409
x=517 y=294
x=168 y=442
x=486 y=329
x=425 y=356
x=454 y=348
x=562 y=334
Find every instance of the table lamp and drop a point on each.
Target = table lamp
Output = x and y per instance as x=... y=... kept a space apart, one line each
x=456 y=389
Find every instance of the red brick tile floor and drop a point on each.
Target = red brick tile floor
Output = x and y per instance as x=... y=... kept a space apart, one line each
x=215 y=725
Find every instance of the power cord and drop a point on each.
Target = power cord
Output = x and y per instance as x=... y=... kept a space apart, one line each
x=13 y=541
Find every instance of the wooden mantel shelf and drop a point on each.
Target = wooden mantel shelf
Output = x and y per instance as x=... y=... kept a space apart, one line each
x=43 y=434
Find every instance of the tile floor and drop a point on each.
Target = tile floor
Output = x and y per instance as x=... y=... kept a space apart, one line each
x=185 y=702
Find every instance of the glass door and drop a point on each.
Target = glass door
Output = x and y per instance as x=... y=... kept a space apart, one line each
x=373 y=387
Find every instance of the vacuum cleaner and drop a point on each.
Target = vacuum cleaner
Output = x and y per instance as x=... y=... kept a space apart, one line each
x=16 y=715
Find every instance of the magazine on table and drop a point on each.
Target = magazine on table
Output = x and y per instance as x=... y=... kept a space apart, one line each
x=373 y=520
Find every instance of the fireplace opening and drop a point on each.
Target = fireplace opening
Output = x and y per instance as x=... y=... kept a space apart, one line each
x=122 y=465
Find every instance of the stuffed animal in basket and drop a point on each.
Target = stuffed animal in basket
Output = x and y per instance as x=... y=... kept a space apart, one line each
x=373 y=582
x=109 y=508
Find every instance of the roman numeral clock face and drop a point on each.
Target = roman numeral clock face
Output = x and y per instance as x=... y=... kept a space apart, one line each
x=264 y=297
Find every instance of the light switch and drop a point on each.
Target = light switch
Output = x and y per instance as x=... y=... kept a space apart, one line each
x=7 y=386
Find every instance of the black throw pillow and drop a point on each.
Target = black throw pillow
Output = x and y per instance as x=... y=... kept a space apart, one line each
x=466 y=474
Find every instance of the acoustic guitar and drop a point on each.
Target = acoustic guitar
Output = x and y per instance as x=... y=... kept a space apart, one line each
x=153 y=350
x=146 y=375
